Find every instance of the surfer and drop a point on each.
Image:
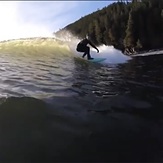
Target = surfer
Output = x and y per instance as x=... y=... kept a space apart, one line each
x=82 y=47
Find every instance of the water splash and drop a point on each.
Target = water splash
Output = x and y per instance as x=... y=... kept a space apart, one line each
x=113 y=55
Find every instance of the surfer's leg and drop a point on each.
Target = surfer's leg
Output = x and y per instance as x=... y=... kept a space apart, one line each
x=84 y=54
x=88 y=53
x=81 y=48
x=85 y=49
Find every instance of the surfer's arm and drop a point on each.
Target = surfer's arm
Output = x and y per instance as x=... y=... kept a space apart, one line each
x=94 y=46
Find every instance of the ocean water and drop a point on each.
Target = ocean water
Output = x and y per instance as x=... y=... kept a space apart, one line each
x=55 y=106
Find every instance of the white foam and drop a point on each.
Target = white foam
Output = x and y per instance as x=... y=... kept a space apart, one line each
x=113 y=55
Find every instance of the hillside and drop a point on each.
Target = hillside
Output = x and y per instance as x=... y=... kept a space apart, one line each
x=136 y=25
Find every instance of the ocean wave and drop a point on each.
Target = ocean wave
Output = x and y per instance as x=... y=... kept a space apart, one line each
x=33 y=130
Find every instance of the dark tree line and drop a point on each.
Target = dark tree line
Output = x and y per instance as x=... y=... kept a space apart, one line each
x=137 y=24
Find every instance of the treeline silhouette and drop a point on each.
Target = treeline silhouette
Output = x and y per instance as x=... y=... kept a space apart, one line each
x=137 y=24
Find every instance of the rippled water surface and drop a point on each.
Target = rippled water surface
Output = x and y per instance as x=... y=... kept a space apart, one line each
x=58 y=107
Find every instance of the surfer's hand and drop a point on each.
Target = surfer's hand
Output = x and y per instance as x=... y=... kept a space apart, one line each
x=97 y=51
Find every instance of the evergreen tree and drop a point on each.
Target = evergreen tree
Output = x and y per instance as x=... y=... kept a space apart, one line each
x=129 y=40
x=98 y=32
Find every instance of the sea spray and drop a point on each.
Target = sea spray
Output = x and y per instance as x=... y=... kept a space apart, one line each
x=113 y=55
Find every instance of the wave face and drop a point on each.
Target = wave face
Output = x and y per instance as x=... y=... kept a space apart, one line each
x=42 y=67
x=35 y=67
x=57 y=107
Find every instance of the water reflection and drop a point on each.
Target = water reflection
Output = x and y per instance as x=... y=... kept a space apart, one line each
x=128 y=121
x=143 y=76
x=136 y=84
x=95 y=79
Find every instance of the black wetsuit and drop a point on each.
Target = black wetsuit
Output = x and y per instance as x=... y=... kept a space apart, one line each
x=82 y=47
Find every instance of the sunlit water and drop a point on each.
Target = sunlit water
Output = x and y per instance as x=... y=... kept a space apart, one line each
x=57 y=107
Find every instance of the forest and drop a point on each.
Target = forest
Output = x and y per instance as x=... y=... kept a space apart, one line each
x=136 y=24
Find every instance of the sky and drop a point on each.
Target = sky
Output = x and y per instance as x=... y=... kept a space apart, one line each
x=21 y=19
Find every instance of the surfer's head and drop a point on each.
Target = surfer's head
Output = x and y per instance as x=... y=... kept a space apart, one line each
x=87 y=36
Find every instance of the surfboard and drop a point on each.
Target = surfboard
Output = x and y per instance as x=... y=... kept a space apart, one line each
x=97 y=60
